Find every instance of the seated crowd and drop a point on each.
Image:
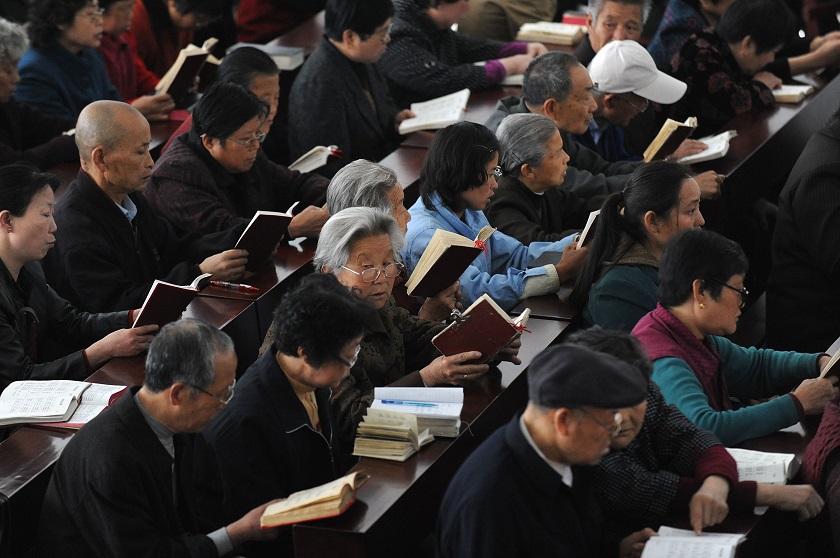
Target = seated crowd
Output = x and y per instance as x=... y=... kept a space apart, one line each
x=626 y=423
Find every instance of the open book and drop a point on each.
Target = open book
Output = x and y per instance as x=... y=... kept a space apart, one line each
x=551 y=32
x=832 y=368
x=166 y=302
x=588 y=232
x=482 y=327
x=763 y=466
x=791 y=93
x=180 y=78
x=285 y=57
x=389 y=435
x=437 y=113
x=681 y=542
x=437 y=409
x=261 y=236
x=445 y=258
x=669 y=138
x=63 y=403
x=327 y=500
x=717 y=147
x=315 y=158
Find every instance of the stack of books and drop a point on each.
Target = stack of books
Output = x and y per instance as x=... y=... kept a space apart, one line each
x=437 y=409
x=551 y=32
x=389 y=435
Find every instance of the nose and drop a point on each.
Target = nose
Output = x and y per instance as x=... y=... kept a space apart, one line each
x=593 y=104
x=565 y=157
x=700 y=221
x=619 y=34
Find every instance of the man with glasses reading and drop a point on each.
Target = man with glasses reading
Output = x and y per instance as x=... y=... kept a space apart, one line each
x=277 y=436
x=527 y=490
x=217 y=176
x=124 y=484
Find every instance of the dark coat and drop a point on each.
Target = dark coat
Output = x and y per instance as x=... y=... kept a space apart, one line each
x=337 y=102
x=262 y=446
x=29 y=135
x=111 y=493
x=98 y=265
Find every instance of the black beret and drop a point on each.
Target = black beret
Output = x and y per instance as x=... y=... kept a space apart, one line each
x=573 y=376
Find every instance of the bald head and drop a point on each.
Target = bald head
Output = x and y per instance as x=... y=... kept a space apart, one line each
x=105 y=124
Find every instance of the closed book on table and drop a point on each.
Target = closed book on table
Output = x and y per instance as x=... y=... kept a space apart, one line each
x=791 y=93
x=261 y=236
x=482 y=327
x=444 y=260
x=166 y=302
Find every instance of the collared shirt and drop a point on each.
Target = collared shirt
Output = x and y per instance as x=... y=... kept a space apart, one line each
x=563 y=470
x=128 y=209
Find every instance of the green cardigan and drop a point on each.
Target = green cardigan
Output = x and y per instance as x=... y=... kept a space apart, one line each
x=622 y=296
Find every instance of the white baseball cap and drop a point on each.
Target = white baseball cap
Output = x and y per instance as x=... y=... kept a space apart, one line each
x=626 y=67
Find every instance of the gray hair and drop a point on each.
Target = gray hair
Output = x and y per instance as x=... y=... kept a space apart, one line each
x=348 y=226
x=361 y=184
x=524 y=139
x=13 y=41
x=99 y=125
x=548 y=77
x=185 y=351
x=595 y=7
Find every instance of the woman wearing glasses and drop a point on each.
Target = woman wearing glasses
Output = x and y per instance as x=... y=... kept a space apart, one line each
x=456 y=183
x=701 y=294
x=62 y=73
x=360 y=246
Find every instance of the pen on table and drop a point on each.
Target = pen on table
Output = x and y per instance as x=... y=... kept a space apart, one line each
x=414 y=403
x=241 y=287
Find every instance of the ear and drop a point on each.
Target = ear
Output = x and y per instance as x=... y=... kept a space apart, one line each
x=527 y=171
x=747 y=44
x=550 y=107
x=6 y=220
x=590 y=23
x=651 y=223
x=207 y=142
x=698 y=291
x=97 y=158
x=350 y=38
x=325 y=269
x=610 y=99
x=562 y=420
x=178 y=393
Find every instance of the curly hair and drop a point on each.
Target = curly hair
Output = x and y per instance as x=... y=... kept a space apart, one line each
x=46 y=15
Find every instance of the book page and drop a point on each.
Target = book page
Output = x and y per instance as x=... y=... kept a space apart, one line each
x=437 y=112
x=100 y=394
x=35 y=406
x=684 y=543
x=328 y=491
x=43 y=388
x=762 y=466
x=86 y=413
x=717 y=147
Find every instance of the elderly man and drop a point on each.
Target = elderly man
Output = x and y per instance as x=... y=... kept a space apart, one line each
x=112 y=245
x=611 y=20
x=216 y=176
x=123 y=485
x=527 y=490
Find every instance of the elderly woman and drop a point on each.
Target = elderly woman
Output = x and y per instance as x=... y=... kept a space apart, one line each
x=34 y=321
x=618 y=283
x=701 y=294
x=366 y=184
x=25 y=133
x=360 y=246
x=456 y=183
x=62 y=73
x=529 y=204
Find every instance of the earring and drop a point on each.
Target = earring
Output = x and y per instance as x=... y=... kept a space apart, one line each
x=702 y=306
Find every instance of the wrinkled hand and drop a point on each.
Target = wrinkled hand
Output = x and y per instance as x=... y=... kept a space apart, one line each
x=511 y=352
x=535 y=49
x=813 y=394
x=225 y=266
x=710 y=183
x=308 y=222
x=688 y=147
x=516 y=64
x=452 y=370
x=633 y=544
x=708 y=505
x=571 y=263
x=768 y=79
x=404 y=114
x=155 y=108
x=799 y=498
x=437 y=308
x=247 y=528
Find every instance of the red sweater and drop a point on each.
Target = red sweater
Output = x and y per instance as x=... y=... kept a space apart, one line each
x=125 y=70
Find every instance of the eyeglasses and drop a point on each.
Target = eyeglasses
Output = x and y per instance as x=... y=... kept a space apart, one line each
x=259 y=138
x=613 y=430
x=352 y=362
x=371 y=274
x=742 y=291
x=93 y=16
x=381 y=36
x=224 y=399
x=627 y=100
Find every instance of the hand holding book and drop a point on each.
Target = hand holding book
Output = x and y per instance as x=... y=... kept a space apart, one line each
x=453 y=370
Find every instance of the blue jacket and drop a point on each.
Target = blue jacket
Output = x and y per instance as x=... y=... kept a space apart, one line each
x=56 y=81
x=500 y=272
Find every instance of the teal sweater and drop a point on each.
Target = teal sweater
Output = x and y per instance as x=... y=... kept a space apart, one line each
x=622 y=296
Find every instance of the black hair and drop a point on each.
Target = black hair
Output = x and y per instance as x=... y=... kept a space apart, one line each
x=211 y=8
x=423 y=4
x=769 y=23
x=619 y=344
x=223 y=109
x=654 y=186
x=361 y=16
x=19 y=182
x=456 y=162
x=698 y=254
x=46 y=15
x=244 y=64
x=319 y=317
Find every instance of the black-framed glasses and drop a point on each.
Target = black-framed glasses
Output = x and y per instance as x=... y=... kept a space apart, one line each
x=742 y=291
x=371 y=274
x=259 y=138
x=627 y=100
x=612 y=430
x=352 y=362
x=223 y=399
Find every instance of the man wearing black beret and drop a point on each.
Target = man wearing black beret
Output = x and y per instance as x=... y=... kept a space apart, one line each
x=527 y=490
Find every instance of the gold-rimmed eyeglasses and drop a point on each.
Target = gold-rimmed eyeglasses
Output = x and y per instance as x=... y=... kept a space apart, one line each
x=259 y=138
x=223 y=399
x=371 y=274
